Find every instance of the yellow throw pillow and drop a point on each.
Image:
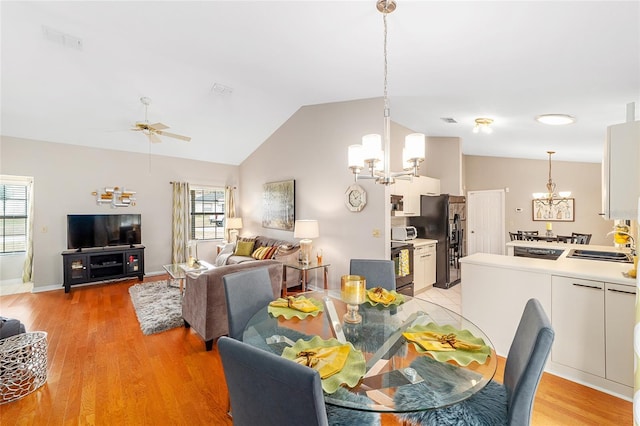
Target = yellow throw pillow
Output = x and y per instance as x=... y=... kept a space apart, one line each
x=244 y=248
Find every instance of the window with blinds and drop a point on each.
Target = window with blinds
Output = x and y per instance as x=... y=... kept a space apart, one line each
x=13 y=217
x=207 y=213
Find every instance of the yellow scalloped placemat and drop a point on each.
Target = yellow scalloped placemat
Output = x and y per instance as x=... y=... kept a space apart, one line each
x=397 y=301
x=462 y=357
x=289 y=313
x=353 y=370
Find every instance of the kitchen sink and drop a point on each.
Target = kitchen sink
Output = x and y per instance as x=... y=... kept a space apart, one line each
x=607 y=256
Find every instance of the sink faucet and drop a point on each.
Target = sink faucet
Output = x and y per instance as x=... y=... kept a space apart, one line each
x=633 y=241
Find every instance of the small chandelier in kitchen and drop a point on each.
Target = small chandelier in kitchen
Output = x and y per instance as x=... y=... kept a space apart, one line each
x=369 y=156
x=551 y=198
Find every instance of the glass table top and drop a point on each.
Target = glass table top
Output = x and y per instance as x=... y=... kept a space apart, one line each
x=398 y=375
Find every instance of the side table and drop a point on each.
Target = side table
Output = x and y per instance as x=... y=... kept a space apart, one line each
x=178 y=271
x=24 y=365
x=304 y=272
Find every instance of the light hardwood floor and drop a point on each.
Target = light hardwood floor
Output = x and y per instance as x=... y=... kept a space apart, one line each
x=104 y=371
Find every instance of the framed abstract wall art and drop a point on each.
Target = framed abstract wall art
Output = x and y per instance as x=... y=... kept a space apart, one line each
x=278 y=205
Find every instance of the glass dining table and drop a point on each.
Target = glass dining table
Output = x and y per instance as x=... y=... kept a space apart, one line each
x=385 y=371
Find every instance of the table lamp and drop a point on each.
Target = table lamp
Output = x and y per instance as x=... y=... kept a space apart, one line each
x=233 y=224
x=305 y=229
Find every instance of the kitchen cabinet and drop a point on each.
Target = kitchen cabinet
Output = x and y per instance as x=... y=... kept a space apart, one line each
x=424 y=266
x=620 y=175
x=619 y=322
x=419 y=282
x=593 y=320
x=411 y=190
x=578 y=320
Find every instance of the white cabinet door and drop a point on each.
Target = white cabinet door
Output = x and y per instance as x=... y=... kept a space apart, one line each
x=429 y=186
x=419 y=282
x=620 y=319
x=620 y=187
x=430 y=264
x=578 y=320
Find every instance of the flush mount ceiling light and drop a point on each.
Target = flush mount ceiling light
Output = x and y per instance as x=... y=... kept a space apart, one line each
x=370 y=152
x=483 y=125
x=555 y=119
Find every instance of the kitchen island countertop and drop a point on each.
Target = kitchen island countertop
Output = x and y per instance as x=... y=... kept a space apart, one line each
x=580 y=268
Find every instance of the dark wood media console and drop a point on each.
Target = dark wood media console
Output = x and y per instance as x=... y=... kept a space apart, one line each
x=101 y=264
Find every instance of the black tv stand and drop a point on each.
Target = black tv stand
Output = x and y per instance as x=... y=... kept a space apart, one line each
x=102 y=264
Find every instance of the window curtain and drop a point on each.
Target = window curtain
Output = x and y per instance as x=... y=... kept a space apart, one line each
x=229 y=207
x=27 y=267
x=181 y=222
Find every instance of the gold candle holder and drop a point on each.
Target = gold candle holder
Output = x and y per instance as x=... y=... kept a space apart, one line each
x=353 y=292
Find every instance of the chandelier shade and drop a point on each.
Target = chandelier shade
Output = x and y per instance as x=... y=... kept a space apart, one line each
x=370 y=160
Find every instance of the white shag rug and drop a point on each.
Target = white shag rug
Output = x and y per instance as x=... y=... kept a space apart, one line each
x=158 y=306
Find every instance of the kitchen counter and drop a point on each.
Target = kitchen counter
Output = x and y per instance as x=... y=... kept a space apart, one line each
x=417 y=242
x=580 y=268
x=590 y=304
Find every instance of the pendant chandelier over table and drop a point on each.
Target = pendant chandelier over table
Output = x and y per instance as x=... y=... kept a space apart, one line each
x=551 y=198
x=369 y=160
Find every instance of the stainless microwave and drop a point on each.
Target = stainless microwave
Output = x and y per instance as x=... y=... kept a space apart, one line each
x=404 y=233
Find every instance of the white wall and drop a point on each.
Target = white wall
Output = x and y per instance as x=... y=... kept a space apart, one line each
x=524 y=177
x=64 y=177
x=311 y=147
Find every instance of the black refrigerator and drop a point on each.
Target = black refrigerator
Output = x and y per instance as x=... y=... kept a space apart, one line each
x=435 y=223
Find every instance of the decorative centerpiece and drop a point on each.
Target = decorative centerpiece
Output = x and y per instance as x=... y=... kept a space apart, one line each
x=353 y=293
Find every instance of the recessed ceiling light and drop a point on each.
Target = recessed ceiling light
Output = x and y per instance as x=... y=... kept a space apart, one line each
x=555 y=119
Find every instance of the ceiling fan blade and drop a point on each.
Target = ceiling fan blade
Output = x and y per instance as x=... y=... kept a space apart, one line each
x=154 y=138
x=173 y=135
x=158 y=126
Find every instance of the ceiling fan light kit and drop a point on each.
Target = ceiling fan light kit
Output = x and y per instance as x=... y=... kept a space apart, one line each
x=153 y=130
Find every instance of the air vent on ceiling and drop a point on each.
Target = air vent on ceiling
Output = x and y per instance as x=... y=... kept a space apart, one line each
x=61 y=38
x=221 y=89
x=448 y=120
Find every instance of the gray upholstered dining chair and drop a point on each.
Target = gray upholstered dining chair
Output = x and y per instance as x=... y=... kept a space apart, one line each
x=246 y=292
x=512 y=402
x=377 y=272
x=266 y=389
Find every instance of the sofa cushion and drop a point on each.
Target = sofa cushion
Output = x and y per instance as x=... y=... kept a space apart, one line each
x=262 y=253
x=244 y=248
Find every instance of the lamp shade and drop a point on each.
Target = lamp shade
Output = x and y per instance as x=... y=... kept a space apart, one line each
x=356 y=158
x=372 y=146
x=234 y=222
x=414 y=146
x=306 y=229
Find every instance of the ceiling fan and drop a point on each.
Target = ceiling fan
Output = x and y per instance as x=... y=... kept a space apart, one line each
x=153 y=130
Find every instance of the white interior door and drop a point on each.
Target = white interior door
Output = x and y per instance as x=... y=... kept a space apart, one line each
x=485 y=222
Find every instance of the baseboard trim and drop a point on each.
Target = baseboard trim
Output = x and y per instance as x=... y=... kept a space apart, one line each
x=42 y=289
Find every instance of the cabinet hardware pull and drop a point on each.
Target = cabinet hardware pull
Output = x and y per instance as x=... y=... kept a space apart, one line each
x=595 y=287
x=633 y=293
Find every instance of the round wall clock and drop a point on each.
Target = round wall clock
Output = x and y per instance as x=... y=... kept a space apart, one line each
x=355 y=198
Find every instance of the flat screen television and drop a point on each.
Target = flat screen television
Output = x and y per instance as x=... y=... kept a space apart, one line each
x=102 y=230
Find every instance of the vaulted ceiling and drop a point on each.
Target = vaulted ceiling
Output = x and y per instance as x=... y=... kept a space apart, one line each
x=74 y=72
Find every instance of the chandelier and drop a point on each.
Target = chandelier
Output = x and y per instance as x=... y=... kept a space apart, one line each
x=369 y=160
x=551 y=198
